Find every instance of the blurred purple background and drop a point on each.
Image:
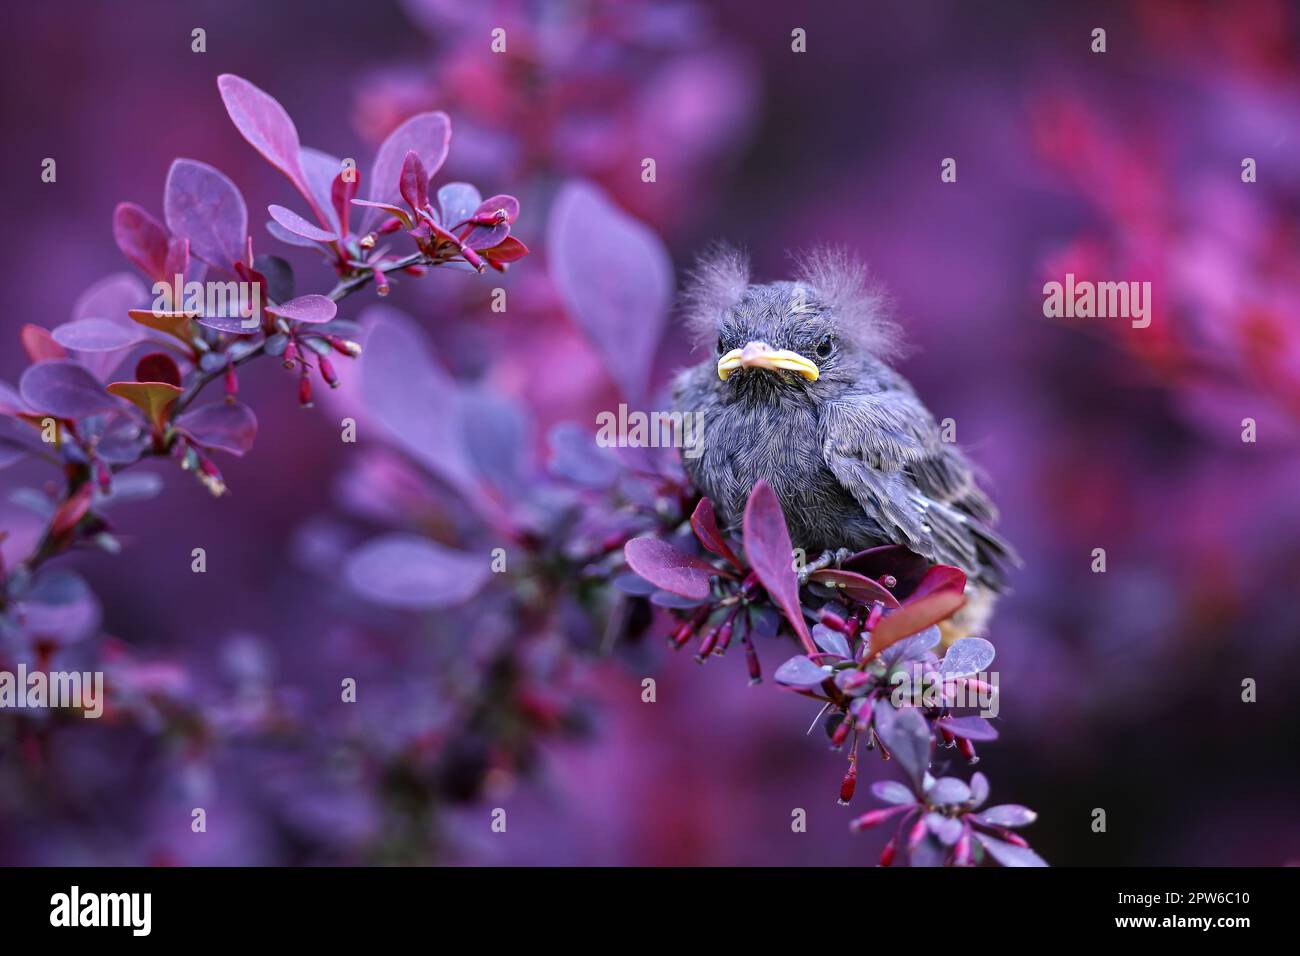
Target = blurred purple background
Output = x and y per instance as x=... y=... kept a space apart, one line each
x=1120 y=690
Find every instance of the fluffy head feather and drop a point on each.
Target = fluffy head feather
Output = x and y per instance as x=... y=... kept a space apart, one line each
x=716 y=283
x=861 y=306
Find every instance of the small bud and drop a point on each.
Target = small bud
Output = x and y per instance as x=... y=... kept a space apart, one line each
x=961 y=855
x=389 y=226
x=368 y=240
x=1012 y=837
x=724 y=637
x=841 y=733
x=889 y=852
x=416 y=270
x=304 y=389
x=344 y=346
x=888 y=581
x=873 y=618
x=381 y=282
x=875 y=817
x=327 y=372
x=833 y=621
x=849 y=785
x=751 y=661
x=967 y=750
x=211 y=478
x=232 y=382
x=103 y=477
x=917 y=833
x=291 y=354
x=706 y=645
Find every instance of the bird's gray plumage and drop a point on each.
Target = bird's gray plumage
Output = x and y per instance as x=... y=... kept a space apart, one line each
x=855 y=457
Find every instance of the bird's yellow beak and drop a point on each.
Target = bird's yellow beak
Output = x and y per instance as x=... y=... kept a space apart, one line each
x=762 y=355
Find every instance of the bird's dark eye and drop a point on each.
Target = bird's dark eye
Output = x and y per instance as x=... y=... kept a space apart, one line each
x=824 y=348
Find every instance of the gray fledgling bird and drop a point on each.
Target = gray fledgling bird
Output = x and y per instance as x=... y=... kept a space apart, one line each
x=799 y=393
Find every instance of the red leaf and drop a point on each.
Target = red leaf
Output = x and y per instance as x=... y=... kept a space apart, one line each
x=914 y=617
x=859 y=588
x=941 y=577
x=158 y=367
x=767 y=543
x=142 y=239
x=705 y=525
x=665 y=567
x=508 y=250
x=414 y=182
x=39 y=344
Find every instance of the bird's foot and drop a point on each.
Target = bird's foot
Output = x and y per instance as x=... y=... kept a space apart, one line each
x=823 y=561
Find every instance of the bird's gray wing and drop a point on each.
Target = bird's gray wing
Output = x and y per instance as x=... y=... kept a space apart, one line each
x=885 y=449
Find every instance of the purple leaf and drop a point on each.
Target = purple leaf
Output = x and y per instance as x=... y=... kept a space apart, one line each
x=767 y=543
x=664 y=566
x=306 y=308
x=401 y=385
x=142 y=239
x=457 y=202
x=946 y=829
x=98 y=335
x=891 y=791
x=111 y=298
x=969 y=655
x=1007 y=815
x=262 y=121
x=64 y=389
x=907 y=737
x=298 y=226
x=576 y=457
x=947 y=791
x=1008 y=854
x=428 y=134
x=60 y=607
x=832 y=642
x=406 y=571
x=979 y=789
x=202 y=205
x=911 y=648
x=615 y=279
x=320 y=170
x=801 y=673
x=972 y=727
x=227 y=426
x=278 y=231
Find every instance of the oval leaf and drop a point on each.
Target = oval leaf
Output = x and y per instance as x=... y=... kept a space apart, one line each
x=409 y=572
x=227 y=426
x=969 y=655
x=1008 y=815
x=907 y=737
x=668 y=568
x=64 y=389
x=306 y=308
x=97 y=335
x=294 y=223
x=802 y=673
x=202 y=205
x=615 y=279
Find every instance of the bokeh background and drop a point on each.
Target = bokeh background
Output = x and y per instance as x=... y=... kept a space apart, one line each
x=1121 y=690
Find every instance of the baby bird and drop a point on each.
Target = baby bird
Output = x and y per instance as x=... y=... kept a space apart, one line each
x=799 y=394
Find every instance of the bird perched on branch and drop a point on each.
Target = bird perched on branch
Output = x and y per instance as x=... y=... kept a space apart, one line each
x=799 y=393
